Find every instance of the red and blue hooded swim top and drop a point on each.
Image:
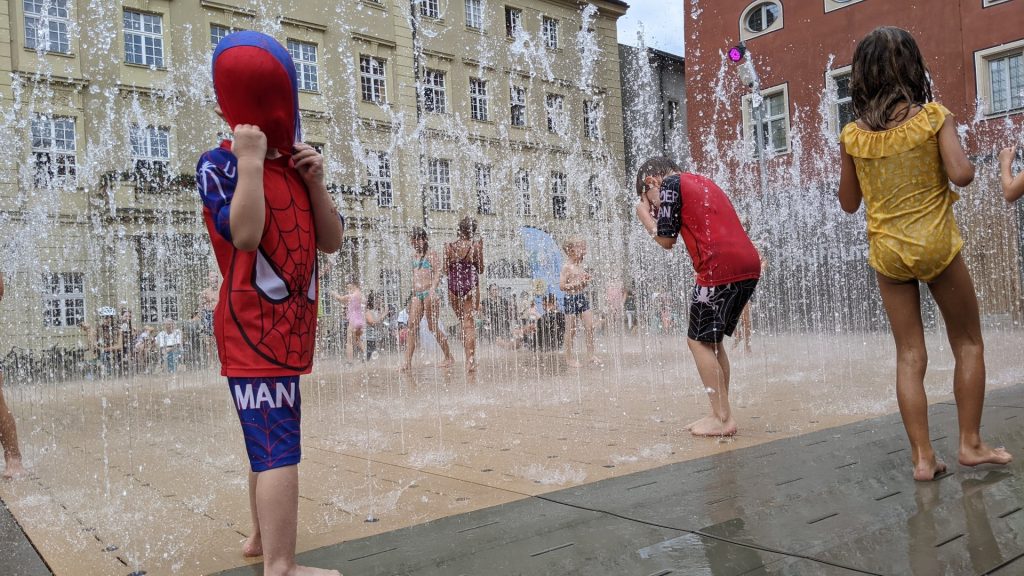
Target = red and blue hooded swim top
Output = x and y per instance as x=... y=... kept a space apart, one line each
x=265 y=322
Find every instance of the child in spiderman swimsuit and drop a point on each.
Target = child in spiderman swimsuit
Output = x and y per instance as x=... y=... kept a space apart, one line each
x=267 y=211
x=672 y=204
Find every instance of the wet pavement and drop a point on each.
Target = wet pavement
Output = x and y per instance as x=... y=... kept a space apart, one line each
x=835 y=501
x=17 y=556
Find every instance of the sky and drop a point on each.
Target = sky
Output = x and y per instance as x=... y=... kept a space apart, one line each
x=662 y=22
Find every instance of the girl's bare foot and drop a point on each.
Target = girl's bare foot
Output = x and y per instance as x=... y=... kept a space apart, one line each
x=712 y=426
x=446 y=363
x=14 y=469
x=983 y=454
x=310 y=571
x=572 y=362
x=928 y=469
x=253 y=546
x=405 y=368
x=596 y=361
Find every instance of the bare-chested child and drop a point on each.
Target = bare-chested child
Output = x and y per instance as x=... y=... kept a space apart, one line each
x=574 y=281
x=8 y=430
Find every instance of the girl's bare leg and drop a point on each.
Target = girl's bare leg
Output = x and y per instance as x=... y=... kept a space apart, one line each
x=412 y=337
x=902 y=302
x=954 y=293
x=588 y=331
x=433 y=310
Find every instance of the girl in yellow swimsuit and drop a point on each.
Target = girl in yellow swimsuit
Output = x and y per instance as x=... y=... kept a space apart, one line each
x=899 y=157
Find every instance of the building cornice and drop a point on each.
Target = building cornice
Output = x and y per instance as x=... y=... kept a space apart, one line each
x=229 y=8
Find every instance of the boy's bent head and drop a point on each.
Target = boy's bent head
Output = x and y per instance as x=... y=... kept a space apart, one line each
x=255 y=82
x=657 y=167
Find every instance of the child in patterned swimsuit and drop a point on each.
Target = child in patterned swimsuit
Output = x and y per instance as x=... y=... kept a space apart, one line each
x=899 y=157
x=574 y=281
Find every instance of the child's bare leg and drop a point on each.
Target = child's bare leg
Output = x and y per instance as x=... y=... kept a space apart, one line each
x=570 y=335
x=9 y=439
x=348 y=343
x=433 y=310
x=277 y=498
x=357 y=336
x=713 y=367
x=463 y=309
x=588 y=332
x=253 y=545
x=954 y=293
x=902 y=302
x=413 y=335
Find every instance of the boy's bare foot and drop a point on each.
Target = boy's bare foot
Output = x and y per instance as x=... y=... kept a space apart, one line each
x=711 y=426
x=14 y=469
x=984 y=454
x=253 y=546
x=928 y=469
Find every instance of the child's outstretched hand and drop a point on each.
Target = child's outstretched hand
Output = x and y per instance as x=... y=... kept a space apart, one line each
x=250 y=143
x=309 y=163
x=1006 y=155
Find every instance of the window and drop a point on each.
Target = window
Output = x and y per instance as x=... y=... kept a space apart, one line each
x=842 y=109
x=478 y=99
x=217 y=33
x=63 y=298
x=760 y=18
x=831 y=5
x=554 y=104
x=304 y=56
x=46 y=25
x=591 y=120
x=549 y=28
x=151 y=152
x=984 y=4
x=143 y=39
x=524 y=206
x=440 y=184
x=772 y=132
x=378 y=171
x=372 y=79
x=594 y=194
x=430 y=8
x=434 y=99
x=483 y=189
x=158 y=293
x=1006 y=83
x=513 y=21
x=671 y=114
x=53 y=150
x=559 y=196
x=474 y=14
x=517 y=98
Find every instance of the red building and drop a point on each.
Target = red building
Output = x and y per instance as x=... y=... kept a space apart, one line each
x=974 y=50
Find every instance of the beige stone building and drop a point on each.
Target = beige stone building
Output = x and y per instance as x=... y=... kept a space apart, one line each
x=426 y=111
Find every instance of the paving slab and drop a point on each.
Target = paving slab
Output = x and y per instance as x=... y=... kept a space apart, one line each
x=837 y=501
x=17 y=556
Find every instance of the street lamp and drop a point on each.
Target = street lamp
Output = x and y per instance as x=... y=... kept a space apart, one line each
x=748 y=76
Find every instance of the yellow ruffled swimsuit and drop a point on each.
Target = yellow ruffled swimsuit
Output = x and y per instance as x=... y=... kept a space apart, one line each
x=911 y=231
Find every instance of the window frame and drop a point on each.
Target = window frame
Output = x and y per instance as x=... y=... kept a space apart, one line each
x=555 y=103
x=55 y=156
x=479 y=108
x=145 y=164
x=549 y=31
x=482 y=184
x=559 y=196
x=746 y=33
x=518 y=98
x=435 y=91
x=142 y=34
x=513 y=21
x=594 y=195
x=748 y=118
x=524 y=200
x=380 y=178
x=56 y=297
x=38 y=18
x=983 y=60
x=831 y=76
x=303 y=65
x=159 y=288
x=430 y=9
x=439 y=184
x=591 y=119
x=370 y=79
x=478 y=12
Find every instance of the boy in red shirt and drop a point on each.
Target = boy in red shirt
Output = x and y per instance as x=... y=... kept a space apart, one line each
x=674 y=203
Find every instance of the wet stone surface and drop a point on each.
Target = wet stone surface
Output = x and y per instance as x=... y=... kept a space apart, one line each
x=836 y=501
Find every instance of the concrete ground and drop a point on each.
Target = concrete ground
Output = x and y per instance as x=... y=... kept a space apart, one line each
x=148 y=473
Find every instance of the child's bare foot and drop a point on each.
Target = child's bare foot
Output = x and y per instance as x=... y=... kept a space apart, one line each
x=928 y=469
x=446 y=363
x=572 y=362
x=406 y=368
x=596 y=361
x=983 y=454
x=14 y=469
x=253 y=546
x=712 y=426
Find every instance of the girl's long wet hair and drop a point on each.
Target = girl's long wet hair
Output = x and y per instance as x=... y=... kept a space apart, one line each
x=888 y=72
x=419 y=237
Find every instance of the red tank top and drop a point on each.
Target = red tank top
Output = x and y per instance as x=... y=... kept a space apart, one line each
x=695 y=208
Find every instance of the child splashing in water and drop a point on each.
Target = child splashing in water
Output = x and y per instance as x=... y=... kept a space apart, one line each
x=426 y=299
x=899 y=157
